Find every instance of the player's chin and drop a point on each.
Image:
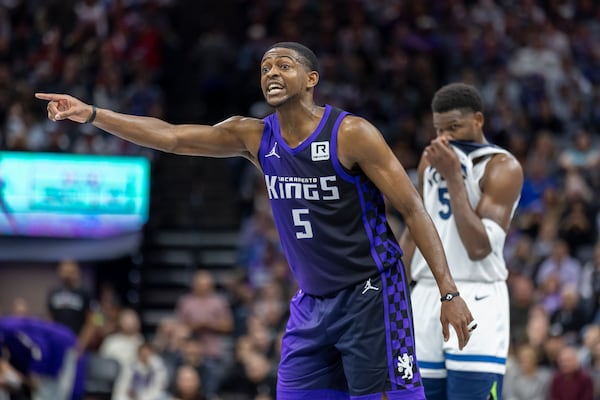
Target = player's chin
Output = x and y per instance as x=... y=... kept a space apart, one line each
x=274 y=101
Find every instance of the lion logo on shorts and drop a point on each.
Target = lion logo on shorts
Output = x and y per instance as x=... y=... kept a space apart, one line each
x=405 y=366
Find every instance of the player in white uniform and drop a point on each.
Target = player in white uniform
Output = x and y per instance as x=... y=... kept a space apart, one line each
x=471 y=189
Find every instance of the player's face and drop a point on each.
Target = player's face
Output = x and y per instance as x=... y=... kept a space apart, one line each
x=459 y=125
x=282 y=76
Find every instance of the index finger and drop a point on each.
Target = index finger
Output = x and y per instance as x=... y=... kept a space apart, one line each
x=49 y=96
x=463 y=337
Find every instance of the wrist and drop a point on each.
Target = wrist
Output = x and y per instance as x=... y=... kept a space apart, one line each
x=449 y=296
x=92 y=116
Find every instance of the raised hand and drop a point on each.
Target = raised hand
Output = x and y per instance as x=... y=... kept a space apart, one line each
x=440 y=156
x=63 y=106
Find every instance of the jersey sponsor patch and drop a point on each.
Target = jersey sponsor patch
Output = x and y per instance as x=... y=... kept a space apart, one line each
x=319 y=151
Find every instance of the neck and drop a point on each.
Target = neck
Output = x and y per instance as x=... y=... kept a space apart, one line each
x=299 y=120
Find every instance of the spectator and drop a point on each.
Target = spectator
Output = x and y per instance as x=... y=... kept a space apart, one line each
x=251 y=377
x=123 y=344
x=192 y=355
x=146 y=378
x=589 y=284
x=595 y=369
x=522 y=262
x=209 y=318
x=591 y=338
x=20 y=307
x=561 y=264
x=168 y=341
x=570 y=381
x=69 y=303
x=577 y=226
x=582 y=156
x=521 y=303
x=526 y=380
x=187 y=384
x=538 y=327
x=106 y=315
x=570 y=317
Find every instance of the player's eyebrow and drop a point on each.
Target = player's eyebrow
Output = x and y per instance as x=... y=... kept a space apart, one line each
x=296 y=60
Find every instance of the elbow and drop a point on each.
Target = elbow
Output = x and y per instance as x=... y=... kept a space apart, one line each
x=479 y=253
x=170 y=143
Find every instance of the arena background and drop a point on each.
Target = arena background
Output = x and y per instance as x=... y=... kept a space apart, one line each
x=536 y=63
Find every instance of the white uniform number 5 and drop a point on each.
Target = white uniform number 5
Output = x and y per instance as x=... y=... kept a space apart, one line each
x=305 y=228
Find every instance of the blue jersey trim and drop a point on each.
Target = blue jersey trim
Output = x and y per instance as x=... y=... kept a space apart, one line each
x=432 y=364
x=476 y=358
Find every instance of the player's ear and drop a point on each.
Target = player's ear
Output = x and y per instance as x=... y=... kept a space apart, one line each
x=479 y=119
x=312 y=79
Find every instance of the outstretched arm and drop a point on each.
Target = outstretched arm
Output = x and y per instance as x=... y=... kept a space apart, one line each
x=361 y=144
x=236 y=136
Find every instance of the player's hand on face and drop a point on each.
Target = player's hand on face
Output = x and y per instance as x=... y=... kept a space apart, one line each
x=440 y=156
x=62 y=106
x=457 y=314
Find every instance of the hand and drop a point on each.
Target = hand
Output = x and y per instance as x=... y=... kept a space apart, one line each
x=62 y=106
x=440 y=156
x=456 y=313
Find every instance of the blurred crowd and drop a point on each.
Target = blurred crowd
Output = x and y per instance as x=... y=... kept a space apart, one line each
x=536 y=63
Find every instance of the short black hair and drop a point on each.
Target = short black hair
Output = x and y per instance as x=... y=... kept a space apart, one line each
x=308 y=57
x=457 y=96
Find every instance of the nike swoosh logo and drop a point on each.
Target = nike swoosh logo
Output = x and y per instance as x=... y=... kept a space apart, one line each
x=477 y=298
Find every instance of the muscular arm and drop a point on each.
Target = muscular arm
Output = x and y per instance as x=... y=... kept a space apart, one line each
x=360 y=145
x=236 y=136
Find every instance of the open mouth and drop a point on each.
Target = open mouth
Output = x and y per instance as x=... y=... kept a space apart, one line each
x=274 y=88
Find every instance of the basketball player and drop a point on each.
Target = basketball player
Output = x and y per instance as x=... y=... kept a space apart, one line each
x=471 y=189
x=349 y=333
x=44 y=351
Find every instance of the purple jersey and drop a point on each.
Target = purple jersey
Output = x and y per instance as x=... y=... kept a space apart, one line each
x=36 y=345
x=331 y=221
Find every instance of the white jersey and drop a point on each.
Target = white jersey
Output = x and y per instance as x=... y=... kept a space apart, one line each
x=437 y=202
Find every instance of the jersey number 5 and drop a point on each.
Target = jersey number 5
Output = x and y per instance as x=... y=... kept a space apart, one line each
x=444 y=197
x=305 y=228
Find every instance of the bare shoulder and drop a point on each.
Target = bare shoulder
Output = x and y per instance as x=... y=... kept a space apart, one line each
x=505 y=172
x=241 y=124
x=358 y=141
x=247 y=130
x=506 y=163
x=355 y=131
x=355 y=126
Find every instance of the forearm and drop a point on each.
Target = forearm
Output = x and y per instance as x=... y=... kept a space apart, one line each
x=144 y=131
x=426 y=238
x=470 y=228
x=408 y=246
